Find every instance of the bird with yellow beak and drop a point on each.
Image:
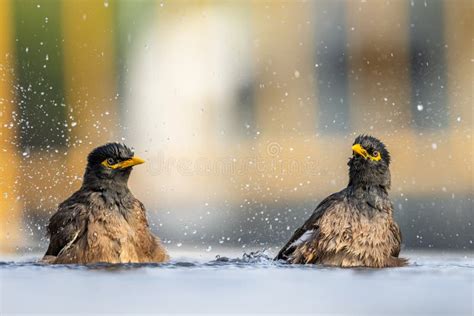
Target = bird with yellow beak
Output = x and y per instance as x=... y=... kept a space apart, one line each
x=353 y=227
x=103 y=221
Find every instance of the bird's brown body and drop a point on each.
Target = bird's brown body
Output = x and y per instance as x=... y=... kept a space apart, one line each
x=102 y=222
x=346 y=236
x=353 y=227
x=96 y=232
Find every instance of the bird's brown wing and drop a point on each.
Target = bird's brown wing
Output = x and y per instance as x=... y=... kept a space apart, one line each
x=398 y=235
x=309 y=229
x=65 y=227
x=149 y=246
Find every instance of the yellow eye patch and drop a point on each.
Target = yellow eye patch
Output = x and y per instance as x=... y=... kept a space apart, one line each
x=358 y=149
x=108 y=165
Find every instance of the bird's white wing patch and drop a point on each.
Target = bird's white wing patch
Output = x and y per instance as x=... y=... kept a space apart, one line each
x=304 y=238
x=69 y=244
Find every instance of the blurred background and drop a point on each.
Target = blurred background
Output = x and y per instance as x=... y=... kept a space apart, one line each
x=244 y=110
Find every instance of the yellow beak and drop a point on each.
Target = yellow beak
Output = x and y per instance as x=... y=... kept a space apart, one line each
x=130 y=162
x=124 y=164
x=358 y=149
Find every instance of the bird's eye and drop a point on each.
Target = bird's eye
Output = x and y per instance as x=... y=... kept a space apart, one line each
x=375 y=153
x=111 y=161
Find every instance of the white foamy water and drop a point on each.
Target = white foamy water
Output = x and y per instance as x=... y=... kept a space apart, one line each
x=435 y=283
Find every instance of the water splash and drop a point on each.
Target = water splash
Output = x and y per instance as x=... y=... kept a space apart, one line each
x=254 y=260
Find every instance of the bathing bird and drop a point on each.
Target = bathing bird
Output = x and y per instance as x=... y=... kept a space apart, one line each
x=103 y=221
x=353 y=227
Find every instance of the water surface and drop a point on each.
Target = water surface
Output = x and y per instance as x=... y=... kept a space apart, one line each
x=434 y=284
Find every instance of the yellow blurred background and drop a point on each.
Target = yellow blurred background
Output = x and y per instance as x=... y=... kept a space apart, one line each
x=244 y=110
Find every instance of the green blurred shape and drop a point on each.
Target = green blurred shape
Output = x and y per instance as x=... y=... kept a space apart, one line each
x=131 y=19
x=39 y=69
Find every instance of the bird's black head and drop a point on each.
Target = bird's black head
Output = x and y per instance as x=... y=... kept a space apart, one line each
x=110 y=163
x=369 y=164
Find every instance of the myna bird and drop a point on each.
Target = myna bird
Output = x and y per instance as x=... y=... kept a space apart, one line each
x=103 y=221
x=353 y=227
